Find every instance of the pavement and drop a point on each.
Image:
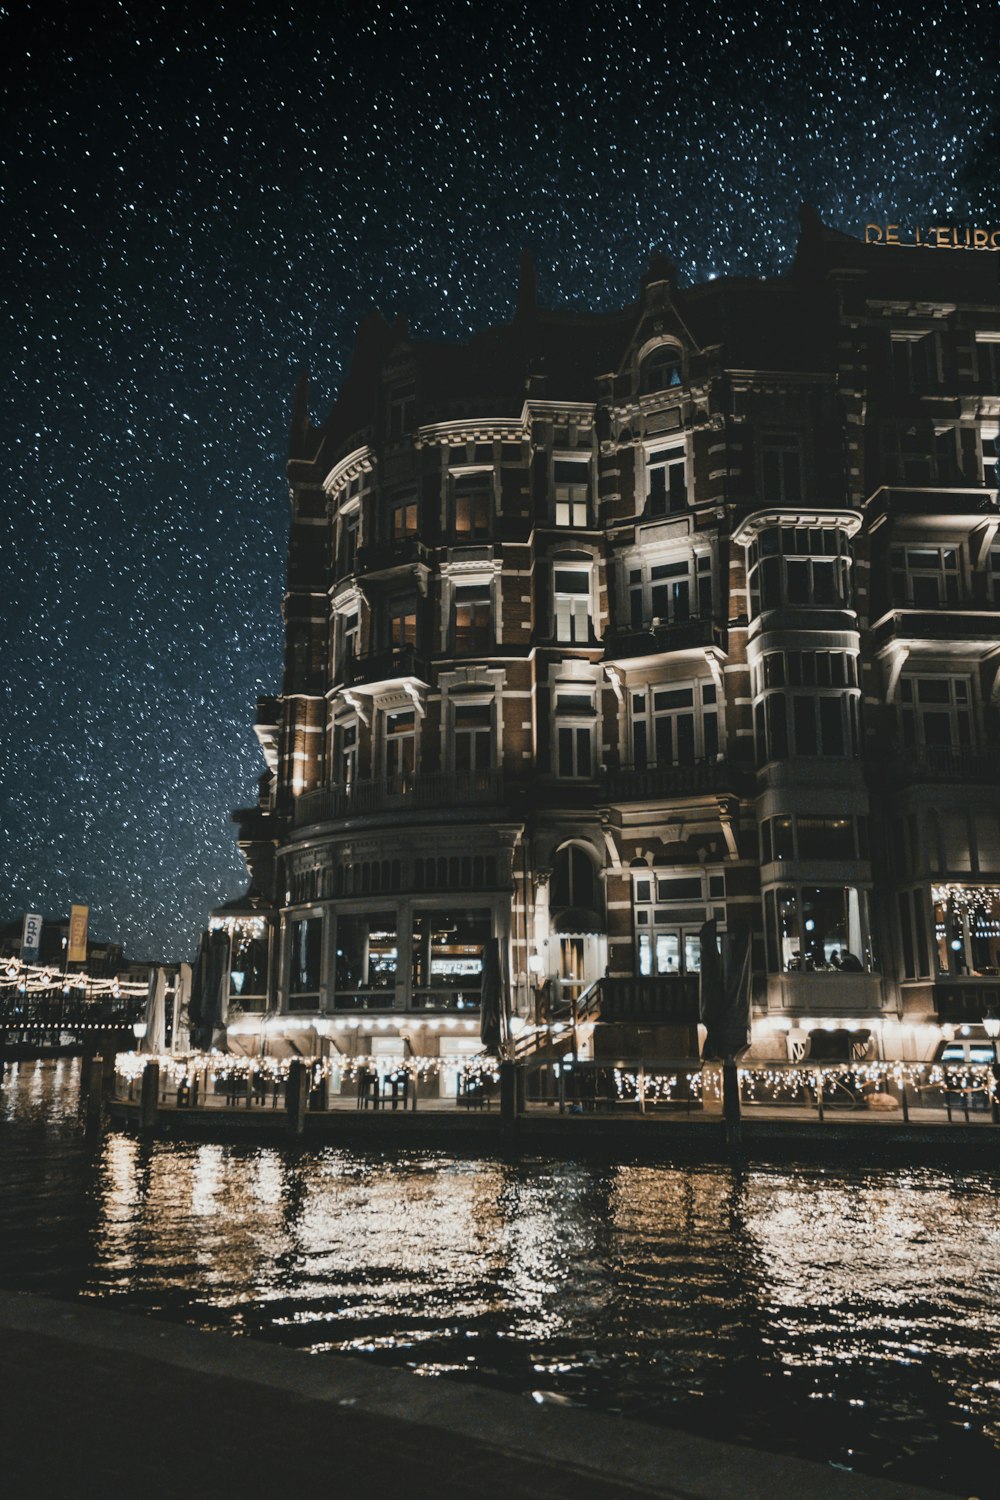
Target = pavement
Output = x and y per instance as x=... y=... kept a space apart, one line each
x=97 y=1402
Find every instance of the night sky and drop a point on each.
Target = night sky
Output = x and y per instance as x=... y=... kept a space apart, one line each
x=198 y=200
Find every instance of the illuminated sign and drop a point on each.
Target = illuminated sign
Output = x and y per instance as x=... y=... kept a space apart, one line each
x=936 y=237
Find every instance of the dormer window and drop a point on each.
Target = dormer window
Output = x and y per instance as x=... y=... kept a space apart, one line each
x=661 y=369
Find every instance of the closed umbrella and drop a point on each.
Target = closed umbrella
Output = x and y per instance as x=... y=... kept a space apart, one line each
x=725 y=991
x=153 y=1041
x=492 y=1029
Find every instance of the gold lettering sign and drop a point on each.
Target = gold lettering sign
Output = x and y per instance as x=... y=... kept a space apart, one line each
x=78 y=919
x=933 y=237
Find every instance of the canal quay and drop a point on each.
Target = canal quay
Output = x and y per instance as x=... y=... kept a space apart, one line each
x=552 y=1318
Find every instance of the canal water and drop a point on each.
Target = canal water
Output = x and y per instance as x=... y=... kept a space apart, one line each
x=846 y=1314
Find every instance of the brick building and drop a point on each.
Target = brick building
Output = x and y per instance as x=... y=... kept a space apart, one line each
x=602 y=624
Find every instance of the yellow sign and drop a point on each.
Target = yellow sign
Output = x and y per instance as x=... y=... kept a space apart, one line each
x=78 y=918
x=937 y=237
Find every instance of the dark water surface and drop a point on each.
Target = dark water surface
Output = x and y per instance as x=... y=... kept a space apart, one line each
x=846 y=1314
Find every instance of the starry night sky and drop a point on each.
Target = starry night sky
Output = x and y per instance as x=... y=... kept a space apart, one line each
x=200 y=199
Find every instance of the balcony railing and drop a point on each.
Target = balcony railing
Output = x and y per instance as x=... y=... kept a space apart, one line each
x=658 y=999
x=941 y=763
x=639 y=783
x=399 y=794
x=622 y=642
x=383 y=666
x=398 y=552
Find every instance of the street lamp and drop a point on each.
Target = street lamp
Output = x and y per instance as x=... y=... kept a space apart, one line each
x=991 y=1025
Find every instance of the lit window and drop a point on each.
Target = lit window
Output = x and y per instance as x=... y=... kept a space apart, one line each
x=305 y=942
x=571 y=482
x=472 y=498
x=403 y=517
x=666 y=471
x=367 y=953
x=818 y=929
x=473 y=619
x=660 y=370
x=571 y=587
x=403 y=624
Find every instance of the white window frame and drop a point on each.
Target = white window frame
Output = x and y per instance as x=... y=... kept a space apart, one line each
x=704 y=701
x=571 y=501
x=666 y=457
x=573 y=613
x=575 y=720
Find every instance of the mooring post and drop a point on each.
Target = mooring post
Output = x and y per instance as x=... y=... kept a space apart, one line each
x=297 y=1096
x=93 y=1092
x=149 y=1105
x=731 y=1101
x=508 y=1091
x=819 y=1093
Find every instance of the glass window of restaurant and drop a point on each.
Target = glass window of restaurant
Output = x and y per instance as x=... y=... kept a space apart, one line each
x=818 y=929
x=367 y=954
x=967 y=930
x=447 y=956
x=305 y=949
x=670 y=911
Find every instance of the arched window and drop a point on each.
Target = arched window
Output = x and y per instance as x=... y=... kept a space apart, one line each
x=660 y=369
x=573 y=879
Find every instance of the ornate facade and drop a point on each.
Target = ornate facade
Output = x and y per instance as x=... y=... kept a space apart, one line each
x=603 y=624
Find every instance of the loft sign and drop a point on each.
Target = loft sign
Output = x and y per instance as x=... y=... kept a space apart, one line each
x=937 y=237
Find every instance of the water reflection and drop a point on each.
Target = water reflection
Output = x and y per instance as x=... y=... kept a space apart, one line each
x=852 y=1315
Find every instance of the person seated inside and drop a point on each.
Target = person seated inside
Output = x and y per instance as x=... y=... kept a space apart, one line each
x=847 y=962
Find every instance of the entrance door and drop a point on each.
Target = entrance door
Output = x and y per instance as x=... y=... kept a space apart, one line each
x=571 y=982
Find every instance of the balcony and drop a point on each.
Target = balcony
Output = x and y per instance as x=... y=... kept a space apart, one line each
x=378 y=559
x=622 y=643
x=411 y=793
x=376 y=667
x=973 y=630
x=653 y=783
x=939 y=763
x=655 y=999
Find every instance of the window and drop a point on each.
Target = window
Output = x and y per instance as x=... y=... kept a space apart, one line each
x=660 y=370
x=305 y=942
x=668 y=915
x=345 y=754
x=473 y=736
x=667 y=481
x=799 y=565
x=914 y=361
x=989 y=440
x=823 y=720
x=348 y=638
x=781 y=470
x=403 y=624
x=472 y=502
x=967 y=929
x=367 y=952
x=447 y=958
x=347 y=542
x=675 y=725
x=473 y=619
x=670 y=591
x=926 y=576
x=402 y=409
x=818 y=929
x=571 y=588
x=988 y=363
x=813 y=838
x=402 y=517
x=575 y=722
x=574 y=880
x=936 y=712
x=571 y=480
x=400 y=748
x=993 y=577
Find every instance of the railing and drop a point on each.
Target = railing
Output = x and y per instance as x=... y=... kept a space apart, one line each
x=941 y=763
x=381 y=666
x=399 y=793
x=622 y=642
x=397 y=552
x=53 y=1011
x=636 y=783
x=667 y=999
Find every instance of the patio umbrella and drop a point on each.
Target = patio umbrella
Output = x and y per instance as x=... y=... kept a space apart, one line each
x=155 y=1012
x=491 y=1017
x=209 y=988
x=725 y=991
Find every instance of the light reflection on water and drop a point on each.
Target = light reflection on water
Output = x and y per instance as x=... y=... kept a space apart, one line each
x=848 y=1314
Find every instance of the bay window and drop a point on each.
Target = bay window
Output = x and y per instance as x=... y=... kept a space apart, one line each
x=818 y=929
